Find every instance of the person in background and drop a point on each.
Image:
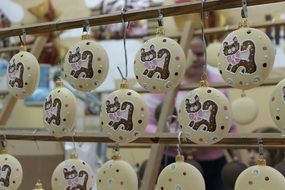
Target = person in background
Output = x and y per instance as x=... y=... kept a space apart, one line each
x=272 y=156
x=211 y=160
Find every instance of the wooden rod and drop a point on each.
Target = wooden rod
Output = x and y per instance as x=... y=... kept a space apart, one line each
x=131 y=15
x=232 y=141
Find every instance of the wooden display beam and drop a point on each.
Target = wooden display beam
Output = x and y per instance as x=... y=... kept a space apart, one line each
x=232 y=141
x=131 y=15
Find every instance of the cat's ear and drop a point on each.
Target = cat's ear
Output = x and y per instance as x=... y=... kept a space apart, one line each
x=64 y=169
x=197 y=99
x=107 y=102
x=73 y=167
x=78 y=49
x=142 y=50
x=235 y=39
x=151 y=47
x=225 y=44
x=283 y=89
x=116 y=99
x=187 y=101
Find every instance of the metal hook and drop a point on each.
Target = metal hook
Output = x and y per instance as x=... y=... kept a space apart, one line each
x=160 y=18
x=244 y=11
x=179 y=150
x=260 y=147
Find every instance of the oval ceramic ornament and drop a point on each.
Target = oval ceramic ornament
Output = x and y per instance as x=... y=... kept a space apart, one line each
x=244 y=103
x=23 y=74
x=179 y=176
x=116 y=174
x=59 y=111
x=246 y=58
x=86 y=65
x=124 y=115
x=160 y=64
x=212 y=53
x=260 y=177
x=11 y=172
x=277 y=105
x=73 y=174
x=204 y=115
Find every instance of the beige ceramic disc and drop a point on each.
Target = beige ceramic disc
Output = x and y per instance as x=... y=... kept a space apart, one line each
x=11 y=172
x=160 y=64
x=73 y=174
x=86 y=65
x=205 y=116
x=117 y=175
x=124 y=115
x=244 y=117
x=23 y=74
x=180 y=176
x=260 y=178
x=59 y=111
x=277 y=105
x=212 y=53
x=246 y=58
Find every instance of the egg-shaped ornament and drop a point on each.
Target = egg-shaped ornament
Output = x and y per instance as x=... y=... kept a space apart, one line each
x=23 y=74
x=116 y=174
x=73 y=174
x=212 y=53
x=277 y=105
x=260 y=177
x=205 y=115
x=246 y=58
x=86 y=64
x=59 y=111
x=244 y=103
x=11 y=172
x=160 y=64
x=180 y=175
x=124 y=115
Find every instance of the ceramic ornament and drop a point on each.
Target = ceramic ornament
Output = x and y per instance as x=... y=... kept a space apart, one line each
x=260 y=177
x=59 y=111
x=212 y=53
x=244 y=103
x=124 y=115
x=11 y=174
x=23 y=74
x=160 y=64
x=204 y=115
x=73 y=174
x=180 y=175
x=246 y=58
x=116 y=174
x=277 y=105
x=86 y=65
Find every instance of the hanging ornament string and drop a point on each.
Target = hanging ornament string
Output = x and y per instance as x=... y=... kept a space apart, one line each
x=244 y=14
x=73 y=141
x=260 y=148
x=204 y=76
x=39 y=167
x=179 y=150
x=160 y=29
x=58 y=73
x=23 y=39
x=124 y=78
x=5 y=141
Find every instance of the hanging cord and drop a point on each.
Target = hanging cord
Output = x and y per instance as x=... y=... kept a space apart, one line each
x=23 y=40
x=204 y=76
x=124 y=31
x=260 y=148
x=4 y=143
x=160 y=29
x=74 y=145
x=179 y=150
x=58 y=73
x=39 y=167
x=244 y=14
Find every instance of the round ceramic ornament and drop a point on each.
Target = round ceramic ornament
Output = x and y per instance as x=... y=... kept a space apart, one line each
x=124 y=115
x=244 y=103
x=180 y=175
x=277 y=105
x=73 y=174
x=59 y=111
x=160 y=64
x=260 y=177
x=86 y=65
x=11 y=172
x=212 y=53
x=204 y=115
x=246 y=58
x=23 y=74
x=116 y=174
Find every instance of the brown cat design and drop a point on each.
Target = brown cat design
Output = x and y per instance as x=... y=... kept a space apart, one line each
x=52 y=110
x=75 y=180
x=81 y=63
x=5 y=173
x=15 y=74
x=120 y=114
x=240 y=55
x=156 y=62
x=202 y=115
